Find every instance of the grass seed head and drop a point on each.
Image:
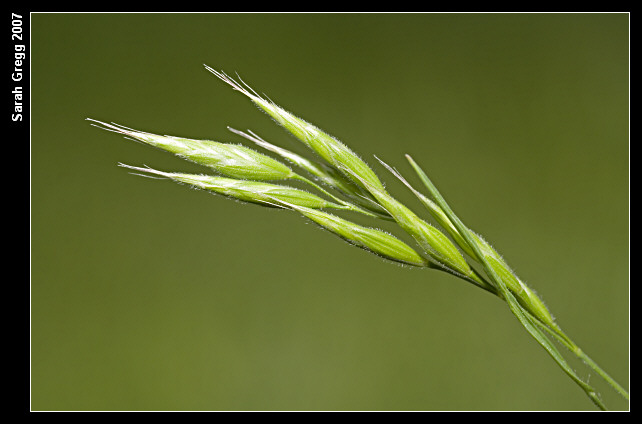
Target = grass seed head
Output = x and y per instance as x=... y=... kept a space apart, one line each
x=244 y=164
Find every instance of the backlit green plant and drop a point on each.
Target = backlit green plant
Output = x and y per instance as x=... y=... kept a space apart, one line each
x=345 y=182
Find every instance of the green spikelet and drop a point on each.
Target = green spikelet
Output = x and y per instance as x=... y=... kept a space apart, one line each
x=232 y=160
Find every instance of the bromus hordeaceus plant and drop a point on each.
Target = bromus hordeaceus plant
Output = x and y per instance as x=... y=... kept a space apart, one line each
x=343 y=181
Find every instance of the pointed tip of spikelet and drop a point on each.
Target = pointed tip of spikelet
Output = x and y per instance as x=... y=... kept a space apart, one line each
x=121 y=129
x=236 y=85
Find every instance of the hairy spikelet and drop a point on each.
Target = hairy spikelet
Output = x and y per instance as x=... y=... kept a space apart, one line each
x=232 y=160
x=371 y=239
x=327 y=147
x=247 y=191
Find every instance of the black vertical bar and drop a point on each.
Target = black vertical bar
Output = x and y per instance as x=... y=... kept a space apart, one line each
x=18 y=73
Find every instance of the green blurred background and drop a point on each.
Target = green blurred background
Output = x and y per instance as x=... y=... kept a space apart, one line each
x=149 y=296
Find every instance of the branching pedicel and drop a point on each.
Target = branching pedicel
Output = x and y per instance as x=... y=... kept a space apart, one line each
x=345 y=182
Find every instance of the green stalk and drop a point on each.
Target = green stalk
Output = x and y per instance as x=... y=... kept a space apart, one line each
x=579 y=353
x=523 y=316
